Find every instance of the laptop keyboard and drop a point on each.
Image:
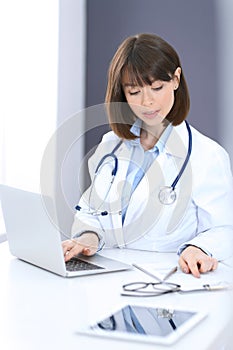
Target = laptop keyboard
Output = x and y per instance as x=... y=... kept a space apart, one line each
x=76 y=264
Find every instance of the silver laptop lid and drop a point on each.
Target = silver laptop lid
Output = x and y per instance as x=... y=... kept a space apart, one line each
x=31 y=235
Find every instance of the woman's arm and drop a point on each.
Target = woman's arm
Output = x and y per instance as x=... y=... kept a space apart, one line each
x=213 y=196
x=87 y=232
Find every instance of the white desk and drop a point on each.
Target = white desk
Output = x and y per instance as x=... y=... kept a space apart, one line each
x=40 y=311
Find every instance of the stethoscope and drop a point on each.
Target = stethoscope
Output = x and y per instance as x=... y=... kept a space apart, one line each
x=167 y=194
x=97 y=170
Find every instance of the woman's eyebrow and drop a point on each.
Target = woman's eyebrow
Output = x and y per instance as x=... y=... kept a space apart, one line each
x=129 y=84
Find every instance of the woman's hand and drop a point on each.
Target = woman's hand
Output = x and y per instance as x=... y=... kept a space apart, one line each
x=86 y=244
x=194 y=260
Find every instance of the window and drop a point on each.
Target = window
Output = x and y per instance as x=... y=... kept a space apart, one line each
x=28 y=88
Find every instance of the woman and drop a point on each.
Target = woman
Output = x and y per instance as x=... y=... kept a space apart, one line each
x=151 y=147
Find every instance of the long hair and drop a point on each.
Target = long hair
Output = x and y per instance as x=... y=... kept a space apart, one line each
x=145 y=58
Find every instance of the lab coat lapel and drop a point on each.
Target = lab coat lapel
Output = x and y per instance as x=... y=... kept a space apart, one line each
x=161 y=173
x=115 y=196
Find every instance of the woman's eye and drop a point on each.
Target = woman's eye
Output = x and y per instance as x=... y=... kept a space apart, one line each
x=157 y=88
x=133 y=93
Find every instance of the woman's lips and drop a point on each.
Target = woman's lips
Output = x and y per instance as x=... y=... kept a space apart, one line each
x=150 y=114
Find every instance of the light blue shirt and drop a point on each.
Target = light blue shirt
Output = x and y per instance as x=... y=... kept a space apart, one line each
x=140 y=161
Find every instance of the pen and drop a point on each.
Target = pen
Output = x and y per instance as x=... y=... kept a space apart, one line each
x=173 y=270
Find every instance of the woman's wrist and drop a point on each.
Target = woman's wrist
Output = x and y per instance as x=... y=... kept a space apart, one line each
x=90 y=242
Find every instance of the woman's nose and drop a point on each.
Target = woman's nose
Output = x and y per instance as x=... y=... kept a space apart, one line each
x=147 y=98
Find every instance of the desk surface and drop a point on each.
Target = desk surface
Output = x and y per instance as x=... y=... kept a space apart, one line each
x=40 y=310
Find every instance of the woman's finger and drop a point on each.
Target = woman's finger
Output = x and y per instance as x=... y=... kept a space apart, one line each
x=183 y=265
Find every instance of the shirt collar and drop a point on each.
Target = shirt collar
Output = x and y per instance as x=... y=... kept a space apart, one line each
x=136 y=127
x=160 y=144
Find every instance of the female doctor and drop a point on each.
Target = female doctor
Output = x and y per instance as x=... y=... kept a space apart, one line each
x=157 y=183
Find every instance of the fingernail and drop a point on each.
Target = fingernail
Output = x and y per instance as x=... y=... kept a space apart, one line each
x=185 y=270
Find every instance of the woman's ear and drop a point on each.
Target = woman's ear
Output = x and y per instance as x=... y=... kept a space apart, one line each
x=176 y=78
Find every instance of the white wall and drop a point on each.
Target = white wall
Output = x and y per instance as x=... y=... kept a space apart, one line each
x=71 y=100
x=72 y=71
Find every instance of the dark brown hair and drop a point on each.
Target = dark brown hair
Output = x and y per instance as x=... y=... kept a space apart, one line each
x=145 y=58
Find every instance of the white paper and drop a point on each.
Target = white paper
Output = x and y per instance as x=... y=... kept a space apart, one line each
x=223 y=275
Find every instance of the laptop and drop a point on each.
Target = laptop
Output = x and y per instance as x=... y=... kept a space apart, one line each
x=33 y=237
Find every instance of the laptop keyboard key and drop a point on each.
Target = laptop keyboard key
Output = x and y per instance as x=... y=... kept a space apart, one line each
x=76 y=264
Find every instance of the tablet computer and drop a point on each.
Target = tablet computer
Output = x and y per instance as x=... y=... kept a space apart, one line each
x=145 y=323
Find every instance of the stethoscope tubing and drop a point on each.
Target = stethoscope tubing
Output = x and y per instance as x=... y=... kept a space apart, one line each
x=112 y=154
x=173 y=185
x=169 y=189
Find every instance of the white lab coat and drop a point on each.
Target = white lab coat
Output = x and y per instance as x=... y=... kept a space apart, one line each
x=202 y=214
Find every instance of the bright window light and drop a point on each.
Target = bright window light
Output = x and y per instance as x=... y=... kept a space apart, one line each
x=28 y=88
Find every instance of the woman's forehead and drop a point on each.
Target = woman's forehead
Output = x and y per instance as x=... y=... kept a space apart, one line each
x=130 y=78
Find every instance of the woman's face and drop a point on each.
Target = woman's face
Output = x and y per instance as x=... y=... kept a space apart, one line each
x=151 y=103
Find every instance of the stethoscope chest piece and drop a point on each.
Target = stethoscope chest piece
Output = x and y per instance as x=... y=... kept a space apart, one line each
x=167 y=195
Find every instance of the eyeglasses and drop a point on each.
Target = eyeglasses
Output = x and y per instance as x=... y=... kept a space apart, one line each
x=147 y=289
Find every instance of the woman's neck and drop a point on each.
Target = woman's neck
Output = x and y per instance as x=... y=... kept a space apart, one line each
x=150 y=136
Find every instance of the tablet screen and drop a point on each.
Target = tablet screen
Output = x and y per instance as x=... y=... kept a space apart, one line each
x=147 y=323
x=144 y=320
